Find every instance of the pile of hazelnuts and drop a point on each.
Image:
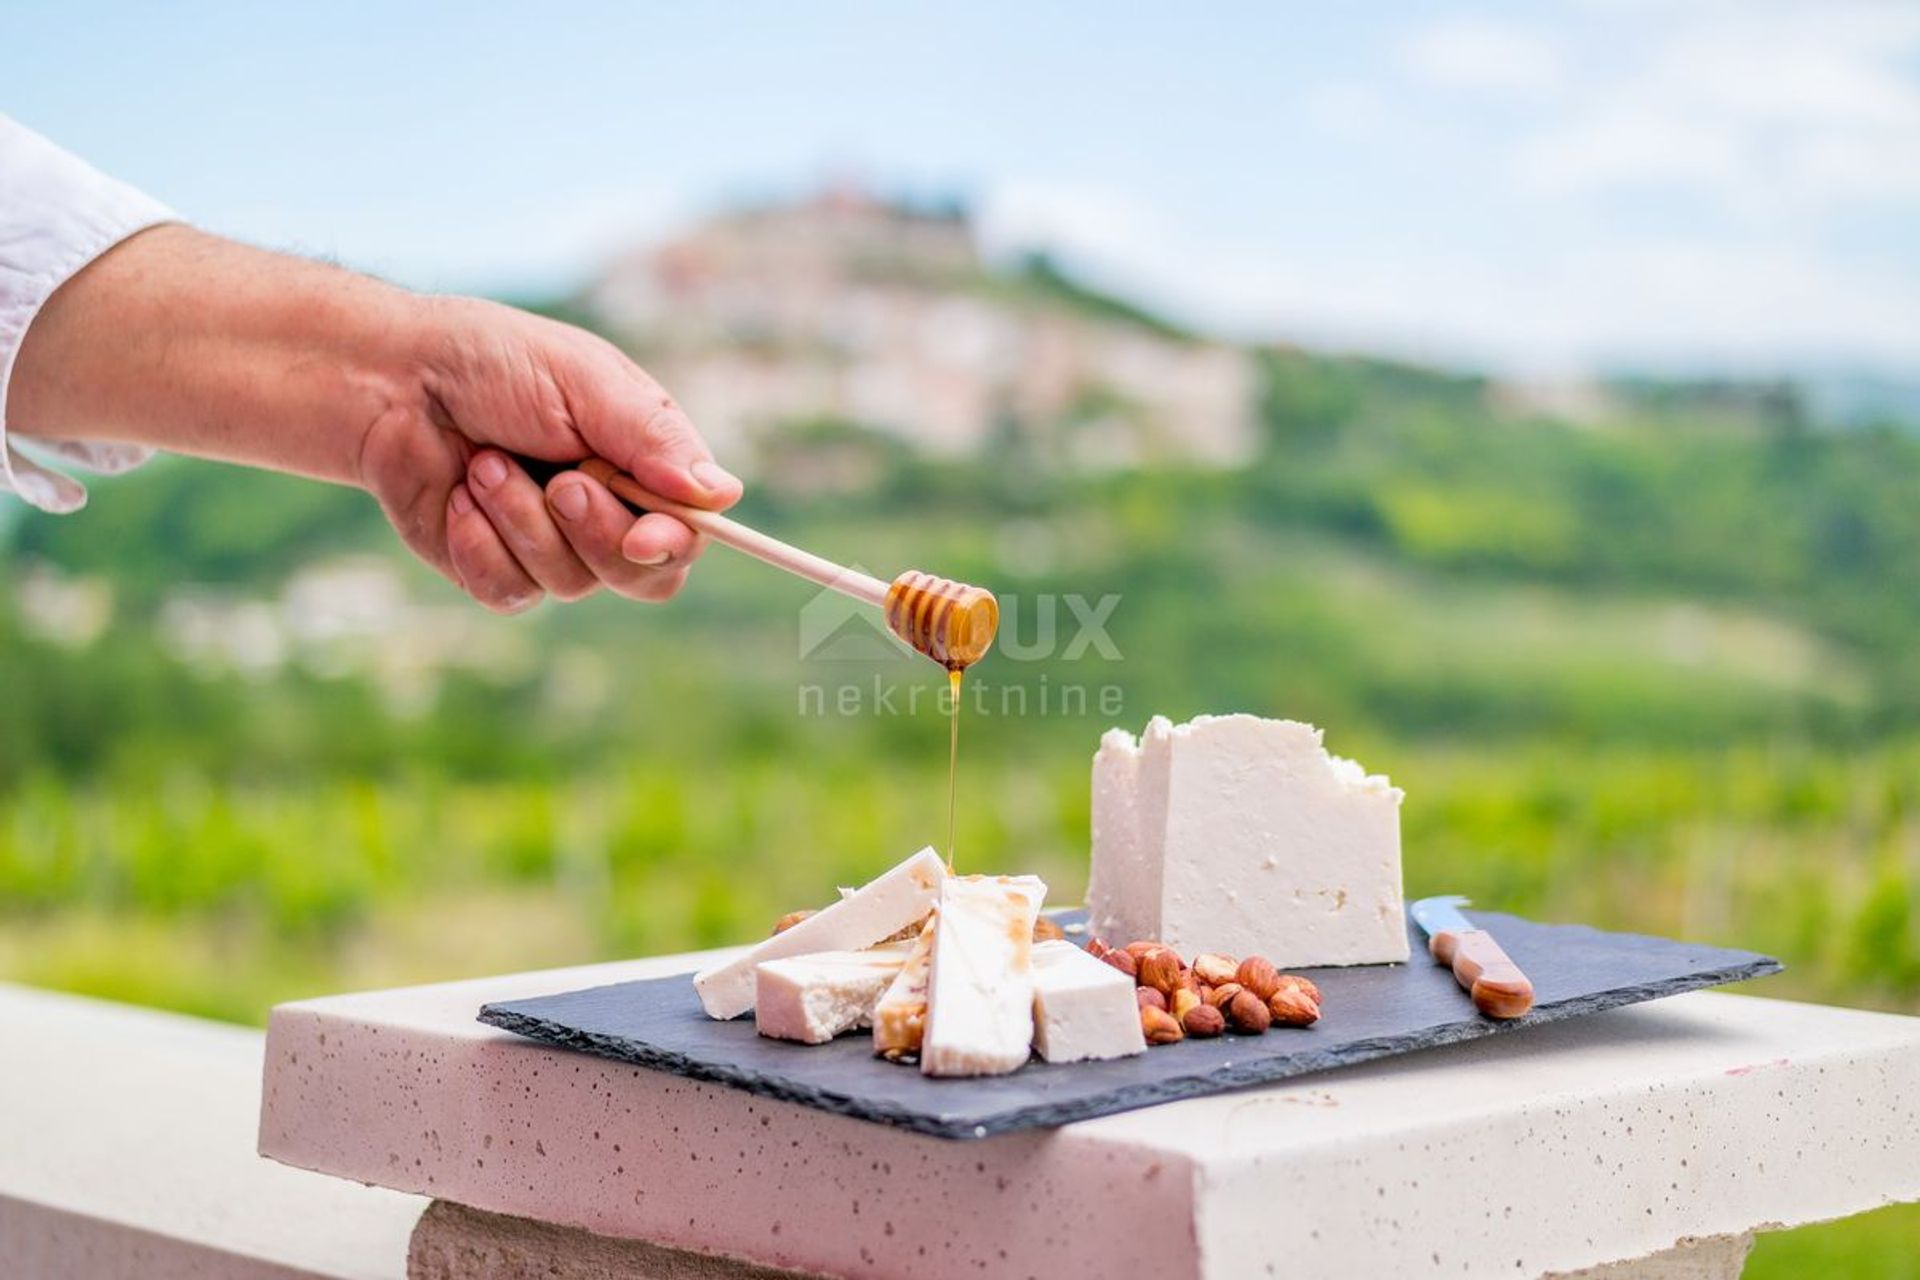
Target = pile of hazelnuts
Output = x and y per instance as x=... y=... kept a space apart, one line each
x=1214 y=994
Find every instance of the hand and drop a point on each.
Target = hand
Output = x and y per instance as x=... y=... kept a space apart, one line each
x=184 y=341
x=500 y=382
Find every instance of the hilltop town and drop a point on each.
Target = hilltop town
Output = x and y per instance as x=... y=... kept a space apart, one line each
x=844 y=308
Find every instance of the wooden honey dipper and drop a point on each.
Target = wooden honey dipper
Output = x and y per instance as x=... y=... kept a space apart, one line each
x=950 y=622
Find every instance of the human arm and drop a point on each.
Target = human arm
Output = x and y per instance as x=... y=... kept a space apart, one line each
x=175 y=339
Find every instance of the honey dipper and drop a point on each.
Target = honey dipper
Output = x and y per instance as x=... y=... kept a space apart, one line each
x=949 y=621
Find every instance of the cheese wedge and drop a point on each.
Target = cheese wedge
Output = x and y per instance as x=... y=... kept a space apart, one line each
x=1243 y=835
x=814 y=998
x=980 y=992
x=876 y=910
x=900 y=1019
x=1083 y=1008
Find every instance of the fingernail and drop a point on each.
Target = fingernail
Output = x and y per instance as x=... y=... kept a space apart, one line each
x=490 y=470
x=653 y=561
x=712 y=476
x=462 y=500
x=570 y=500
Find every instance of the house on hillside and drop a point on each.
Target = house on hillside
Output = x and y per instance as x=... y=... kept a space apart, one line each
x=883 y=315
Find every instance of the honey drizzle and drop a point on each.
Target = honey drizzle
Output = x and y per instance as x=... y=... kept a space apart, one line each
x=953 y=755
x=953 y=624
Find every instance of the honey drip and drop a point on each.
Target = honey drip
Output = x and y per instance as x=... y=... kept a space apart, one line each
x=954 y=624
x=954 y=677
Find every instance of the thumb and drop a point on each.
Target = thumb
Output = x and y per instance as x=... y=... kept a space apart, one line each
x=658 y=445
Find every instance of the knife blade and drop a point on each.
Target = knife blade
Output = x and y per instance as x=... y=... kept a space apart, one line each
x=1498 y=988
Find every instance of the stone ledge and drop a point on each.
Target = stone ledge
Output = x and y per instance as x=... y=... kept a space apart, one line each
x=126 y=1150
x=1698 y=1116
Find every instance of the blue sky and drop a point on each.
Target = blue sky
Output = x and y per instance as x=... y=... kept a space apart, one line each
x=1673 y=185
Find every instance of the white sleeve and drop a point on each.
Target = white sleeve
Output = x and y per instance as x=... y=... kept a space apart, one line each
x=57 y=214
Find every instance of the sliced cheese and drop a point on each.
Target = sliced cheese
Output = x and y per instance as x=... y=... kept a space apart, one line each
x=900 y=1019
x=876 y=910
x=1083 y=1008
x=980 y=992
x=814 y=998
x=1243 y=835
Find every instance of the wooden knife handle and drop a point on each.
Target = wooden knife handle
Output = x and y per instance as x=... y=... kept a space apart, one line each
x=1498 y=987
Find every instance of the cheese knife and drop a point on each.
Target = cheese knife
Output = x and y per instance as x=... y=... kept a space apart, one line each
x=1498 y=987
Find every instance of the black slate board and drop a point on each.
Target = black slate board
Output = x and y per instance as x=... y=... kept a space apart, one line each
x=1370 y=1012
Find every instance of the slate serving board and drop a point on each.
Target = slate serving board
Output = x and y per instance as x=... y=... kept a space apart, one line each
x=1370 y=1012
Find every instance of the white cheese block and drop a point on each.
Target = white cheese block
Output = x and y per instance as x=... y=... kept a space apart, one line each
x=878 y=909
x=980 y=994
x=814 y=998
x=1082 y=1007
x=900 y=1019
x=1242 y=835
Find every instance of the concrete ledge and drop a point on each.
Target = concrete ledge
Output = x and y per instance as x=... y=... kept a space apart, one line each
x=41 y=1243
x=1559 y=1148
x=126 y=1150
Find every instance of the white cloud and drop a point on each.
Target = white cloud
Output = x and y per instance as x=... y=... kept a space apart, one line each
x=1836 y=64
x=1769 y=107
x=1754 y=303
x=1631 y=143
x=1858 y=169
x=1485 y=55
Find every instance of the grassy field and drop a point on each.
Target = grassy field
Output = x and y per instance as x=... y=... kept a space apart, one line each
x=224 y=899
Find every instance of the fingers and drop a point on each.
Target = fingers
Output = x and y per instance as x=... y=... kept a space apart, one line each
x=517 y=509
x=481 y=561
x=644 y=559
x=645 y=433
x=657 y=540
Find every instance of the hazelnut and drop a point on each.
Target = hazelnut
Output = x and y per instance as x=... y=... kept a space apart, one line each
x=789 y=920
x=1147 y=997
x=1214 y=969
x=1159 y=1026
x=1224 y=993
x=1249 y=1013
x=1203 y=1021
x=1205 y=993
x=1045 y=930
x=1139 y=949
x=1097 y=947
x=1123 y=961
x=1291 y=1007
x=1189 y=981
x=1299 y=983
x=1182 y=1001
x=1259 y=976
x=1160 y=970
